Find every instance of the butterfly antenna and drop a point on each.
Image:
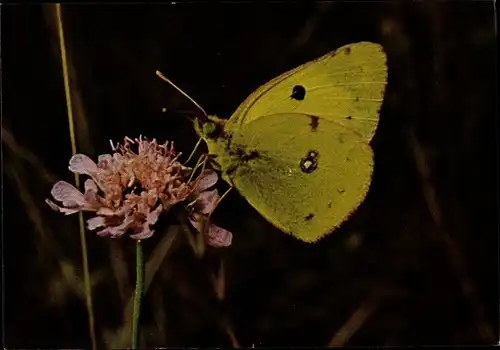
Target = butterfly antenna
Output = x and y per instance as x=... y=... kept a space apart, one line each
x=159 y=74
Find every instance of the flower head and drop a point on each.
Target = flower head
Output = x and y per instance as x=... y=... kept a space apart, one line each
x=129 y=190
x=126 y=190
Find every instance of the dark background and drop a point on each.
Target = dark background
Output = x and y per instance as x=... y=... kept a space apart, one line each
x=416 y=264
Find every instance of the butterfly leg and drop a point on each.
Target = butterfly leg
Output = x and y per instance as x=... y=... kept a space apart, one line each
x=194 y=150
x=201 y=162
x=219 y=200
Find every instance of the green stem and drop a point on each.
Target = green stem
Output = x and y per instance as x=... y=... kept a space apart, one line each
x=72 y=135
x=139 y=279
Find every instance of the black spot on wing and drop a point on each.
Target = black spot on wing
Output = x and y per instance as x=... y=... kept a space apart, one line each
x=298 y=93
x=329 y=205
x=314 y=122
x=310 y=162
x=348 y=117
x=242 y=155
x=309 y=217
x=312 y=154
x=230 y=170
x=307 y=166
x=340 y=190
x=347 y=50
x=251 y=155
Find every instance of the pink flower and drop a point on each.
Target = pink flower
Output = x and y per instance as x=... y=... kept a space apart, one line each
x=205 y=203
x=126 y=190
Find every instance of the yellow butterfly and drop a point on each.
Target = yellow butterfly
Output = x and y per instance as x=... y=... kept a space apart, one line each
x=298 y=147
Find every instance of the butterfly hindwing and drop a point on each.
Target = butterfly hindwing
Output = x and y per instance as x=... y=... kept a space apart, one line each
x=310 y=183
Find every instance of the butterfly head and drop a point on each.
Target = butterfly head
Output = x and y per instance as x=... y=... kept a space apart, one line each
x=210 y=129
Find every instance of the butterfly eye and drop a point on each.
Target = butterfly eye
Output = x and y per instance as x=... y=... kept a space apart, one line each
x=211 y=130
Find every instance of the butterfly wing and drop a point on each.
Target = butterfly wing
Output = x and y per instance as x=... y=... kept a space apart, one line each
x=303 y=174
x=346 y=83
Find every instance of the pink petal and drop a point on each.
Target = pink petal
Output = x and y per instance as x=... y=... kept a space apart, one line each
x=218 y=237
x=207 y=201
x=144 y=233
x=57 y=208
x=117 y=231
x=120 y=211
x=90 y=186
x=104 y=160
x=153 y=216
x=90 y=195
x=104 y=233
x=106 y=212
x=68 y=194
x=95 y=222
x=82 y=164
x=207 y=179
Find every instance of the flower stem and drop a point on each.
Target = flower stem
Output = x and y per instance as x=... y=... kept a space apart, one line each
x=139 y=265
x=83 y=240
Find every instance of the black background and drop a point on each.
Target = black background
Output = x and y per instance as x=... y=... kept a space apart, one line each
x=420 y=253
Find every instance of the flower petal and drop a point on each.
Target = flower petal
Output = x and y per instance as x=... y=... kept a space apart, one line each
x=104 y=233
x=82 y=164
x=68 y=194
x=207 y=179
x=96 y=222
x=66 y=211
x=207 y=201
x=119 y=230
x=90 y=186
x=218 y=237
x=153 y=216
x=144 y=232
x=106 y=212
x=104 y=160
